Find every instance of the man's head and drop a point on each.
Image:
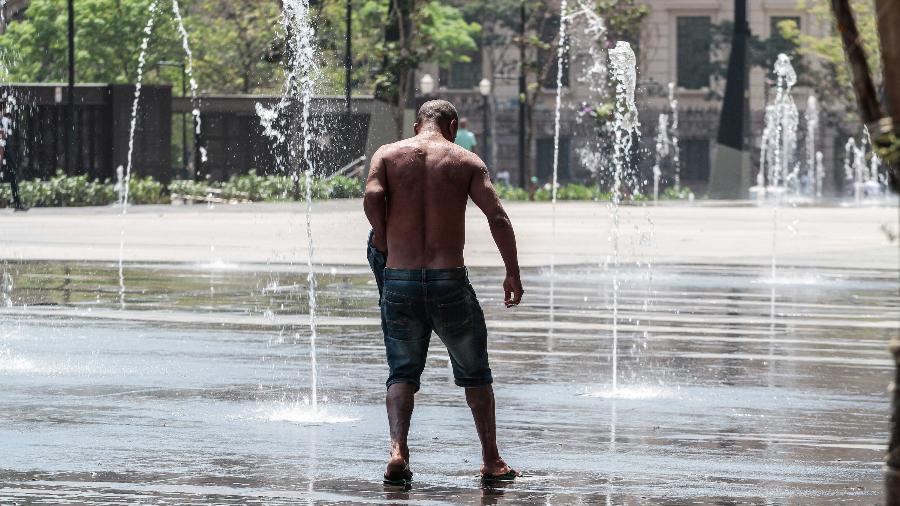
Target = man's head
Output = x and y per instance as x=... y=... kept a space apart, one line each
x=439 y=115
x=464 y=123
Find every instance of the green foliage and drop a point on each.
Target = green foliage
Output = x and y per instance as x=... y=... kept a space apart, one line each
x=887 y=147
x=671 y=193
x=831 y=73
x=61 y=191
x=507 y=192
x=146 y=191
x=624 y=19
x=230 y=41
x=344 y=187
x=570 y=191
x=107 y=41
x=255 y=188
x=232 y=44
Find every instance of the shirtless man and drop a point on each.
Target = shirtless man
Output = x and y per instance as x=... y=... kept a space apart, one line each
x=416 y=197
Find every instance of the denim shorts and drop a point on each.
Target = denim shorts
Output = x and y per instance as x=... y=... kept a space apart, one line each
x=416 y=302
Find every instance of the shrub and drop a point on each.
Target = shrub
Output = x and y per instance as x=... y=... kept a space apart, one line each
x=671 y=193
x=146 y=191
x=507 y=192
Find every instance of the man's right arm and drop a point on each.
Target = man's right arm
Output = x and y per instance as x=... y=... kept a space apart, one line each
x=374 y=201
x=482 y=193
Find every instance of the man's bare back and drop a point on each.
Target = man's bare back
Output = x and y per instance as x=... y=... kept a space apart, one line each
x=416 y=197
x=428 y=182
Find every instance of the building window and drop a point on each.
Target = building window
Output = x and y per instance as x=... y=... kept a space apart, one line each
x=694 y=155
x=462 y=75
x=778 y=42
x=545 y=160
x=693 y=51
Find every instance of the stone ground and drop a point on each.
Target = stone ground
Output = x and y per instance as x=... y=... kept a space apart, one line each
x=700 y=233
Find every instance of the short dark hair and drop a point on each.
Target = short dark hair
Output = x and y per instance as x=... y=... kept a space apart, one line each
x=437 y=111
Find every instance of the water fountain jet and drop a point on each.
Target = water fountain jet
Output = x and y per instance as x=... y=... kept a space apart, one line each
x=624 y=71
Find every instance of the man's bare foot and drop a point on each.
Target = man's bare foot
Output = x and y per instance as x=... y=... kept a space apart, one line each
x=398 y=471
x=497 y=468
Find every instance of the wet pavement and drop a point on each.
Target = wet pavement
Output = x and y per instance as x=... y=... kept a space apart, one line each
x=733 y=388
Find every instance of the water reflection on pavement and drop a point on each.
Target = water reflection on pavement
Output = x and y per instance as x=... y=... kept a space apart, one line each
x=733 y=388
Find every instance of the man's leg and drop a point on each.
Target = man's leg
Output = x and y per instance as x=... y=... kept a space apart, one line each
x=400 y=403
x=481 y=402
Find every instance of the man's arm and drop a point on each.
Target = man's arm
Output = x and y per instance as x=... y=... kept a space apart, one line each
x=482 y=192
x=374 y=201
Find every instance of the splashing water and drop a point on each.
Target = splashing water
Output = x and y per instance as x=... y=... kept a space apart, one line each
x=594 y=75
x=662 y=151
x=624 y=70
x=780 y=135
x=6 y=287
x=560 y=55
x=676 y=155
x=820 y=173
x=812 y=125
x=142 y=58
x=301 y=71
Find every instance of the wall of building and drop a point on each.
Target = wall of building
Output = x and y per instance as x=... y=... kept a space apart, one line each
x=658 y=65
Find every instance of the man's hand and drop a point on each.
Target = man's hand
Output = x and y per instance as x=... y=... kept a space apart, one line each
x=379 y=242
x=512 y=290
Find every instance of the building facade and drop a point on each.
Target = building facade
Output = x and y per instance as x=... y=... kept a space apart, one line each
x=676 y=45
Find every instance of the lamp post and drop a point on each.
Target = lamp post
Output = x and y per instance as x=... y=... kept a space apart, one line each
x=348 y=57
x=185 y=154
x=523 y=89
x=70 y=138
x=484 y=87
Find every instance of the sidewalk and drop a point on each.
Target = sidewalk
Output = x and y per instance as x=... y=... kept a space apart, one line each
x=275 y=233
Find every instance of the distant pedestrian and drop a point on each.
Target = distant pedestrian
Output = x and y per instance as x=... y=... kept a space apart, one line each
x=464 y=136
x=7 y=155
x=503 y=177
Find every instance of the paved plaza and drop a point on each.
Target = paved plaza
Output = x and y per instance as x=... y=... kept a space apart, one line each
x=702 y=233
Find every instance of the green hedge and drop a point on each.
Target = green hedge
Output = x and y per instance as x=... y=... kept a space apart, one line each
x=72 y=191
x=76 y=191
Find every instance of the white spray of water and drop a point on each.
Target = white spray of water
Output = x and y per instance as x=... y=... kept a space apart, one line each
x=676 y=155
x=662 y=152
x=624 y=71
x=812 y=125
x=594 y=76
x=6 y=287
x=560 y=55
x=820 y=173
x=859 y=170
x=786 y=121
x=300 y=79
x=142 y=57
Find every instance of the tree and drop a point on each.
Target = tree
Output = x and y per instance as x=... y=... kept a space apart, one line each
x=828 y=68
x=107 y=41
x=417 y=31
x=229 y=41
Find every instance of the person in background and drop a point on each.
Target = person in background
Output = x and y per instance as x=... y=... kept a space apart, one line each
x=464 y=136
x=7 y=158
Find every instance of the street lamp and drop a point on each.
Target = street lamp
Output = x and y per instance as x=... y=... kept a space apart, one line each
x=426 y=84
x=185 y=154
x=484 y=87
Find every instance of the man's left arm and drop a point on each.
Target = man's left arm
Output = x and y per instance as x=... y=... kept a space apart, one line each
x=375 y=200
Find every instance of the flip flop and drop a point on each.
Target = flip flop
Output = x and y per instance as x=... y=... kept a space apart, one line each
x=507 y=476
x=403 y=481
